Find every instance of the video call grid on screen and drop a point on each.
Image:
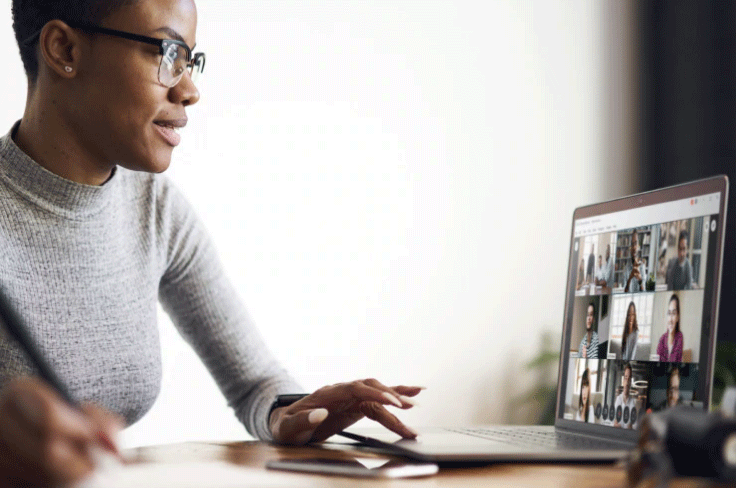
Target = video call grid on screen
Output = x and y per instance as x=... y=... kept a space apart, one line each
x=635 y=335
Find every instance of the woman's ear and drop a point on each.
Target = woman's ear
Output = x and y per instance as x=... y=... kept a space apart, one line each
x=59 y=48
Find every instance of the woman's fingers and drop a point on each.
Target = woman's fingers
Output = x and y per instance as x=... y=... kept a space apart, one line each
x=403 y=400
x=333 y=408
x=379 y=413
x=47 y=438
x=68 y=461
x=43 y=412
x=297 y=428
x=347 y=394
x=405 y=392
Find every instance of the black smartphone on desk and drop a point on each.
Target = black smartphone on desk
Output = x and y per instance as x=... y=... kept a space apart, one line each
x=356 y=467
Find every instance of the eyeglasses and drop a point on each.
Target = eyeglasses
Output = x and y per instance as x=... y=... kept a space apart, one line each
x=176 y=57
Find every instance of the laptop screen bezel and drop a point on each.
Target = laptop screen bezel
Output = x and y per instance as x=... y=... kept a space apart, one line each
x=717 y=184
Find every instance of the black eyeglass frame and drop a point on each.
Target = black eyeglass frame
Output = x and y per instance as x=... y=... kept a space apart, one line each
x=163 y=44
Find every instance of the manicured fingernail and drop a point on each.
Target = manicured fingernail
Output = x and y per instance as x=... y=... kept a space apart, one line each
x=411 y=431
x=388 y=396
x=318 y=416
x=409 y=400
x=29 y=407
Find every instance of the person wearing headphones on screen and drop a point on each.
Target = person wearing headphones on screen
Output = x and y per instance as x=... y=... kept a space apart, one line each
x=92 y=237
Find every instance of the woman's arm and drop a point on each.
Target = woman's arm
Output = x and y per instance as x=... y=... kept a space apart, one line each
x=206 y=309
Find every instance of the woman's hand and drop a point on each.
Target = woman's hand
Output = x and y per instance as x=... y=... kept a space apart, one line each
x=43 y=440
x=333 y=408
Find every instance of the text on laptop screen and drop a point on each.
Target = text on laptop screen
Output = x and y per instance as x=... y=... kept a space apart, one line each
x=635 y=335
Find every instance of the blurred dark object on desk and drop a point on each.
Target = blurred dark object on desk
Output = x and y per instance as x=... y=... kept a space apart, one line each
x=685 y=441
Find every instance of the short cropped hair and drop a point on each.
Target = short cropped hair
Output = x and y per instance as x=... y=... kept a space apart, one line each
x=29 y=17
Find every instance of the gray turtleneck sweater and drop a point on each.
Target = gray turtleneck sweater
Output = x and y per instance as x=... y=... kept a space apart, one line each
x=86 y=265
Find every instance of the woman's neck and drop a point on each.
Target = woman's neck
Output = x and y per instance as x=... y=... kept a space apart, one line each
x=51 y=141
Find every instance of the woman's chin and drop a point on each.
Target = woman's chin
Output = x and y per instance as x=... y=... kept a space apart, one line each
x=149 y=166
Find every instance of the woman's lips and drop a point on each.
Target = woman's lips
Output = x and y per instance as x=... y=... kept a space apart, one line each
x=169 y=134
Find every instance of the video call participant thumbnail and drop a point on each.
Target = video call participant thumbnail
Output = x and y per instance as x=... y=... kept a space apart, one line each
x=584 y=397
x=626 y=393
x=626 y=406
x=673 y=385
x=679 y=270
x=589 y=328
x=682 y=254
x=677 y=326
x=583 y=411
x=669 y=348
x=589 y=344
x=630 y=336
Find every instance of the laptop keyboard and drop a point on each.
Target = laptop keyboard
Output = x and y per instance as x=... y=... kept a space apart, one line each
x=531 y=437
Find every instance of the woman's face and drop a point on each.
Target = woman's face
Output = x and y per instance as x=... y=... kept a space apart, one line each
x=120 y=107
x=584 y=393
x=630 y=318
x=590 y=317
x=672 y=316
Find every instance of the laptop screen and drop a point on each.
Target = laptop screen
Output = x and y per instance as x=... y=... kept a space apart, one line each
x=642 y=293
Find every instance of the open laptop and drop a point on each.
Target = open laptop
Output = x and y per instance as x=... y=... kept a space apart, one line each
x=644 y=276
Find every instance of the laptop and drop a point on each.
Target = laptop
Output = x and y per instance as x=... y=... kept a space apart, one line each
x=639 y=332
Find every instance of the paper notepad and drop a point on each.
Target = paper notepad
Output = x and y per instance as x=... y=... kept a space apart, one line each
x=215 y=474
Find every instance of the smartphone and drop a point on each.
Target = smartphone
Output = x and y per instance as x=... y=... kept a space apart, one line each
x=356 y=467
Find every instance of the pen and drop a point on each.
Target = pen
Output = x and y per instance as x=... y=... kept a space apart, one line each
x=17 y=330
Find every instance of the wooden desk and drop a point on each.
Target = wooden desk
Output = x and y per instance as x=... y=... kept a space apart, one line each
x=255 y=454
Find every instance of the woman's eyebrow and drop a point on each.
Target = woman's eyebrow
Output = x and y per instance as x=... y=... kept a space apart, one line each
x=173 y=35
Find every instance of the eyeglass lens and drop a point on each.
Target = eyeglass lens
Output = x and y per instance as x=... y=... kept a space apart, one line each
x=173 y=64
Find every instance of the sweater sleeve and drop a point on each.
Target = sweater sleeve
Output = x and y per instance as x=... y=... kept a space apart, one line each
x=208 y=313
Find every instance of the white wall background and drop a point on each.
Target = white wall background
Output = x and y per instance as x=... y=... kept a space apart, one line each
x=391 y=184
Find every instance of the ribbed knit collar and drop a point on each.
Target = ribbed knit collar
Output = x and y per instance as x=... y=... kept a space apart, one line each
x=63 y=197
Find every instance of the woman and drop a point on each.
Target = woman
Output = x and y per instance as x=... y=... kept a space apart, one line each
x=669 y=348
x=584 y=401
x=589 y=344
x=630 y=335
x=91 y=238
